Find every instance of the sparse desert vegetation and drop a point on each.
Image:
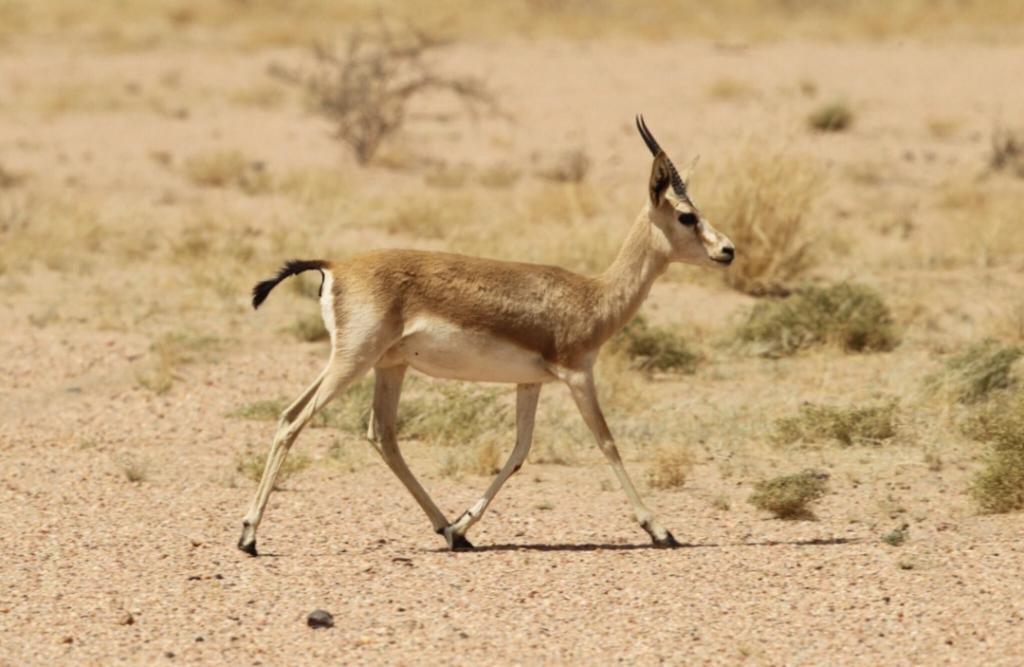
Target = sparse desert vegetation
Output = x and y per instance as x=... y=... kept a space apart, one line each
x=789 y=496
x=831 y=117
x=157 y=159
x=852 y=317
x=766 y=203
x=871 y=424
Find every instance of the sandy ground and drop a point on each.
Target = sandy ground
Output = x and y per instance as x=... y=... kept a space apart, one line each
x=97 y=569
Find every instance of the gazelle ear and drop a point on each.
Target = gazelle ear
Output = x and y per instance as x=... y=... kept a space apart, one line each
x=661 y=177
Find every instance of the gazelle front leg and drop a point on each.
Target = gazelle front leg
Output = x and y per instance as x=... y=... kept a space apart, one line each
x=585 y=394
x=526 y=411
x=386 y=392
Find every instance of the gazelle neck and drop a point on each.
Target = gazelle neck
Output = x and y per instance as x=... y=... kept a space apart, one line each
x=627 y=282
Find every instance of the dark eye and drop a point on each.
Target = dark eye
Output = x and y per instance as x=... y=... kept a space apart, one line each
x=688 y=219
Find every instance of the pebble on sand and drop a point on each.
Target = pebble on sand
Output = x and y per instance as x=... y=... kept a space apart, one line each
x=320 y=619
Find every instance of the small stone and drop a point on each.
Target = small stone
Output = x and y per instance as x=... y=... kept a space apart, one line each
x=67 y=640
x=196 y=542
x=320 y=619
x=126 y=619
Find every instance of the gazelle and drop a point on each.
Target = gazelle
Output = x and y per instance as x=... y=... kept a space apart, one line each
x=483 y=320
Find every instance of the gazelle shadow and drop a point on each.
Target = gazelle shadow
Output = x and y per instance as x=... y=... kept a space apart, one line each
x=828 y=541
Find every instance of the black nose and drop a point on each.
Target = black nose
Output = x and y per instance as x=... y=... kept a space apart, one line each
x=729 y=251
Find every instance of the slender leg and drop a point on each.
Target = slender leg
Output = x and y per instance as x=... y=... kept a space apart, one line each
x=386 y=393
x=585 y=394
x=526 y=411
x=337 y=376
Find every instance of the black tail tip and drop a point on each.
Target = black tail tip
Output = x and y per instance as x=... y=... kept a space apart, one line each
x=261 y=291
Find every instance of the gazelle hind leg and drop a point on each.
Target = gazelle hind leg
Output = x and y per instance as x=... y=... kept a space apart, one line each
x=386 y=392
x=337 y=376
x=585 y=395
x=526 y=411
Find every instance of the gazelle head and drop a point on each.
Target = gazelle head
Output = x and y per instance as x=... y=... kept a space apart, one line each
x=689 y=236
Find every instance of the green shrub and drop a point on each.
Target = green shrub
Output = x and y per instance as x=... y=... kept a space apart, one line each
x=788 y=497
x=832 y=117
x=979 y=370
x=871 y=424
x=999 y=487
x=653 y=348
x=460 y=415
x=853 y=317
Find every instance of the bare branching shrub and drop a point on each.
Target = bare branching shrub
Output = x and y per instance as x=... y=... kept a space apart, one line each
x=853 y=317
x=832 y=117
x=655 y=348
x=974 y=374
x=763 y=203
x=670 y=468
x=999 y=486
x=867 y=425
x=228 y=169
x=250 y=464
x=788 y=497
x=1007 y=151
x=368 y=91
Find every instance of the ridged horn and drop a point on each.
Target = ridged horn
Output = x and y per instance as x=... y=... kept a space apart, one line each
x=677 y=182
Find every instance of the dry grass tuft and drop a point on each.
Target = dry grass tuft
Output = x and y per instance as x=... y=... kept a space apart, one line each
x=134 y=469
x=733 y=90
x=832 y=117
x=670 y=467
x=570 y=166
x=228 y=169
x=851 y=425
x=349 y=411
x=1007 y=151
x=944 y=127
x=853 y=317
x=653 y=348
x=999 y=487
x=985 y=367
x=788 y=497
x=764 y=204
x=168 y=353
x=250 y=465
x=484 y=457
x=309 y=328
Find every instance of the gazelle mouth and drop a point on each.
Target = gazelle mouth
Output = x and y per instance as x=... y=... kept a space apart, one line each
x=723 y=260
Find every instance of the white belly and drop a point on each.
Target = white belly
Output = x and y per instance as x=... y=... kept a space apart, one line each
x=443 y=350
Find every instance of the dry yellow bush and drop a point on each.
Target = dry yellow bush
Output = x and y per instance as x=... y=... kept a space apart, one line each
x=763 y=202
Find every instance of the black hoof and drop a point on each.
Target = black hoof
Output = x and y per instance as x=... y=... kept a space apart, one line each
x=248 y=547
x=668 y=542
x=460 y=543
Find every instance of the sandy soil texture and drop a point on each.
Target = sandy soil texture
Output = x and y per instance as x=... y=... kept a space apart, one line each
x=134 y=376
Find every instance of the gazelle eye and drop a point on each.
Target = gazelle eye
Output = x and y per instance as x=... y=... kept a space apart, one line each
x=688 y=219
